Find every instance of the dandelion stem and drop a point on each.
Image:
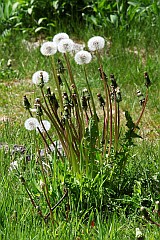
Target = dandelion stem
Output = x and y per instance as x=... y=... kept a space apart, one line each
x=89 y=105
x=67 y=85
x=78 y=120
x=110 y=140
x=115 y=123
x=55 y=114
x=69 y=69
x=30 y=112
x=57 y=83
x=46 y=193
x=76 y=91
x=90 y=92
x=118 y=113
x=104 y=126
x=59 y=154
x=108 y=107
x=44 y=139
x=72 y=150
x=143 y=108
x=31 y=198
x=59 y=131
x=46 y=102
x=58 y=203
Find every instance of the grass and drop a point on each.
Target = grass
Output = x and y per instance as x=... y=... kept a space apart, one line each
x=137 y=185
x=19 y=220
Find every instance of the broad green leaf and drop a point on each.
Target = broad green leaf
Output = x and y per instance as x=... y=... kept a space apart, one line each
x=15 y=6
x=30 y=10
x=51 y=24
x=94 y=20
x=133 y=3
x=130 y=123
x=114 y=18
x=41 y=20
x=39 y=29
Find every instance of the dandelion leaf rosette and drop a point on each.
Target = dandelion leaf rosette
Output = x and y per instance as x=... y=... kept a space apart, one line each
x=130 y=124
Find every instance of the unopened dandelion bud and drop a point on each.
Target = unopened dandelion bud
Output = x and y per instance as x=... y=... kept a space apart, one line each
x=54 y=101
x=86 y=94
x=73 y=88
x=37 y=102
x=60 y=68
x=66 y=113
x=148 y=82
x=48 y=92
x=41 y=84
x=39 y=111
x=59 y=79
x=103 y=76
x=139 y=94
x=74 y=99
x=26 y=103
x=112 y=93
x=139 y=234
x=141 y=102
x=42 y=184
x=101 y=100
x=66 y=101
x=65 y=94
x=84 y=103
x=85 y=90
x=113 y=80
x=141 y=97
x=118 y=95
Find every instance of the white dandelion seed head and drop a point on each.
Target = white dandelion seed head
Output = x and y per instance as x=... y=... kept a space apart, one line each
x=65 y=45
x=46 y=124
x=31 y=123
x=83 y=57
x=48 y=48
x=96 y=43
x=58 y=37
x=36 y=78
x=78 y=47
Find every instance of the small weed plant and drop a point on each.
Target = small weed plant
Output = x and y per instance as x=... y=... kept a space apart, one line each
x=86 y=138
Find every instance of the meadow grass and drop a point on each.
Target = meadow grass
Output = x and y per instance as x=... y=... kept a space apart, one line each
x=137 y=185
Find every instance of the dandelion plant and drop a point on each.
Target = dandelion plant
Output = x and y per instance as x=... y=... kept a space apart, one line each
x=70 y=113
